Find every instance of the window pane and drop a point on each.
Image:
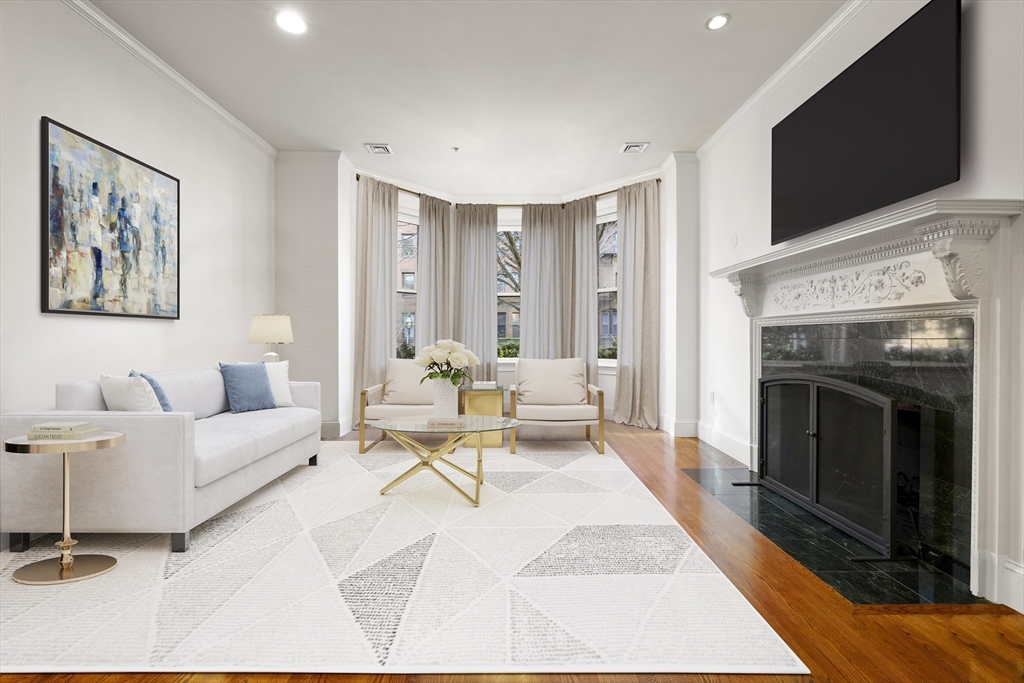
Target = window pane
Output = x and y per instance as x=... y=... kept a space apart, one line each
x=510 y=250
x=607 y=294
x=405 y=323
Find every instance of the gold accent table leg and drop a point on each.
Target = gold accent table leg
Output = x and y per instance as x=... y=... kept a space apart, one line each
x=66 y=568
x=427 y=457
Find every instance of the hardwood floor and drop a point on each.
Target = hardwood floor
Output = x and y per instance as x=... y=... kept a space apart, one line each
x=838 y=641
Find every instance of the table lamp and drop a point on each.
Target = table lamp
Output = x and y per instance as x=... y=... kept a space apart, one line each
x=271 y=329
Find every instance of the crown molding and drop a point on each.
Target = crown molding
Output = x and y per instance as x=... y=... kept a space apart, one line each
x=842 y=17
x=116 y=33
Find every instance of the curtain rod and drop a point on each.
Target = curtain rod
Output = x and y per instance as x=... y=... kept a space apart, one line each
x=503 y=206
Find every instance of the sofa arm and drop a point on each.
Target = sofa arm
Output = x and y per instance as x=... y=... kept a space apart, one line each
x=306 y=394
x=145 y=485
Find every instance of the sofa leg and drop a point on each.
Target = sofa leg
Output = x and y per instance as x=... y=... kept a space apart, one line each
x=179 y=542
x=312 y=461
x=20 y=542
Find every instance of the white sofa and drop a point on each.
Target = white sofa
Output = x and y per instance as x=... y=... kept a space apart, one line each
x=175 y=470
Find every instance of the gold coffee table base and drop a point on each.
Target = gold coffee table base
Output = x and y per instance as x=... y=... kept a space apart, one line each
x=428 y=456
x=49 y=572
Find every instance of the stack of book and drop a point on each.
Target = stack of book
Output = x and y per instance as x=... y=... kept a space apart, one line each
x=63 y=431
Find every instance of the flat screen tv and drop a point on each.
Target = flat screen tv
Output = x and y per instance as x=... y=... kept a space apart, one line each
x=885 y=129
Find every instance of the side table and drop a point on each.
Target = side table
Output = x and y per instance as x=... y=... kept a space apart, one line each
x=488 y=400
x=66 y=568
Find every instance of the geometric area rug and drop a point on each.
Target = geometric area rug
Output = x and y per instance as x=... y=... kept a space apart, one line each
x=569 y=565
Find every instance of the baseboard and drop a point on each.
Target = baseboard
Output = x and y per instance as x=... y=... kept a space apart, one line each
x=729 y=444
x=332 y=430
x=685 y=428
x=1011 y=585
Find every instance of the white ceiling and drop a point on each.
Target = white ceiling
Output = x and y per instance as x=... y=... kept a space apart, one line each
x=537 y=95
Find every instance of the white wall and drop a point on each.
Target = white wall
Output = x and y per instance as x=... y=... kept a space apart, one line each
x=307 y=207
x=735 y=175
x=54 y=63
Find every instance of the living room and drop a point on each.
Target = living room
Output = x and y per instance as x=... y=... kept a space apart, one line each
x=353 y=187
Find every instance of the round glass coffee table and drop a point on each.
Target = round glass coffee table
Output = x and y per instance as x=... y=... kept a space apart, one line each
x=65 y=568
x=401 y=427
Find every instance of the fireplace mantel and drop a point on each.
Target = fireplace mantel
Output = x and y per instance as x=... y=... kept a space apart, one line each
x=952 y=233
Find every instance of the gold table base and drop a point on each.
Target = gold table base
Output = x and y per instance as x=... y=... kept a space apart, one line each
x=49 y=572
x=428 y=456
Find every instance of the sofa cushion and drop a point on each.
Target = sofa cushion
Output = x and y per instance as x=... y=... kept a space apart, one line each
x=129 y=393
x=402 y=384
x=556 y=413
x=165 y=403
x=381 y=411
x=199 y=391
x=248 y=387
x=230 y=441
x=551 y=382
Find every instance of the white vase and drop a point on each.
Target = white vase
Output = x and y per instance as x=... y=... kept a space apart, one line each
x=446 y=398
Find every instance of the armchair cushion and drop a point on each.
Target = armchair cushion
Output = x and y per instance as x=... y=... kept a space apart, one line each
x=549 y=413
x=381 y=411
x=402 y=384
x=551 y=382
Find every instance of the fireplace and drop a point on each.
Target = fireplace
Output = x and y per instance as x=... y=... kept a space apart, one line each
x=925 y=365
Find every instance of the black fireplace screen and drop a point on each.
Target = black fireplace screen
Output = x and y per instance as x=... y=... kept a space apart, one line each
x=828 y=446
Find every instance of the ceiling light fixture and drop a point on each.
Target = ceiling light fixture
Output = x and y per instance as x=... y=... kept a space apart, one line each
x=291 y=22
x=716 y=22
x=378 y=148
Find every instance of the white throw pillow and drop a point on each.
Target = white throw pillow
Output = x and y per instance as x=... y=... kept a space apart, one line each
x=129 y=393
x=277 y=373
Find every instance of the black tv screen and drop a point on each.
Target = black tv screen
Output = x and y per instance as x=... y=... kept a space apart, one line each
x=885 y=129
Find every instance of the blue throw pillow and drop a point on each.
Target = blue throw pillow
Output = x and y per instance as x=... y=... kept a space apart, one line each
x=248 y=387
x=161 y=395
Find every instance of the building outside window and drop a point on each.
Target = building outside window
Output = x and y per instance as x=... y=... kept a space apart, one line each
x=510 y=261
x=405 y=323
x=607 y=289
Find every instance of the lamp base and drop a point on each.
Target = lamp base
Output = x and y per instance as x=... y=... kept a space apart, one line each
x=271 y=357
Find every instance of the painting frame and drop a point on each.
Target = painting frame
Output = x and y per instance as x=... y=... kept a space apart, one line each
x=46 y=245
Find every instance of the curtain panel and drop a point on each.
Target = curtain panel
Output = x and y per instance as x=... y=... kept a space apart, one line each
x=376 y=273
x=559 y=273
x=435 y=265
x=475 y=285
x=636 y=391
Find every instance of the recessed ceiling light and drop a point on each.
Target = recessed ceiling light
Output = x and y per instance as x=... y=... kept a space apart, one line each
x=291 y=22
x=716 y=22
x=634 y=147
x=377 y=148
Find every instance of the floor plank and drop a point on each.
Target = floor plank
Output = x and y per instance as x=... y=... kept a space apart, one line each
x=837 y=640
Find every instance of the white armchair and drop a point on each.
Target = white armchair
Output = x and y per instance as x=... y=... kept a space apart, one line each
x=556 y=393
x=402 y=395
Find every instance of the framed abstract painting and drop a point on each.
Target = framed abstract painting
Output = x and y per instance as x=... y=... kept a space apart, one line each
x=110 y=230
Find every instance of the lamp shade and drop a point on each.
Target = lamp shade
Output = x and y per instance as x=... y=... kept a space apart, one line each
x=270 y=329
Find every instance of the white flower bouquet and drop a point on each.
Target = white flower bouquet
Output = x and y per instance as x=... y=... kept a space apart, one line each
x=446 y=359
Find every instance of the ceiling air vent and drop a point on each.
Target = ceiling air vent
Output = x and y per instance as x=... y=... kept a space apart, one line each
x=377 y=148
x=634 y=147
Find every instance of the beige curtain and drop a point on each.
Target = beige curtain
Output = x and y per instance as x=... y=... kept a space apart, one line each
x=475 y=285
x=636 y=391
x=434 y=290
x=559 y=292
x=376 y=245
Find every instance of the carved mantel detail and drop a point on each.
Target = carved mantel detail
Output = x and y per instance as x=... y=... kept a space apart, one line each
x=958 y=242
x=749 y=293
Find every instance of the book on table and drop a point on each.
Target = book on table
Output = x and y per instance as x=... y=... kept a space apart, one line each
x=65 y=436
x=63 y=431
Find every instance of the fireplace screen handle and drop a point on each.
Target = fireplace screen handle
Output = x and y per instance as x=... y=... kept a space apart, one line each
x=810 y=433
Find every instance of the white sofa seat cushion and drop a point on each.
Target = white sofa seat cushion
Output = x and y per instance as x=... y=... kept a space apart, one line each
x=556 y=413
x=402 y=384
x=230 y=441
x=551 y=382
x=381 y=411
